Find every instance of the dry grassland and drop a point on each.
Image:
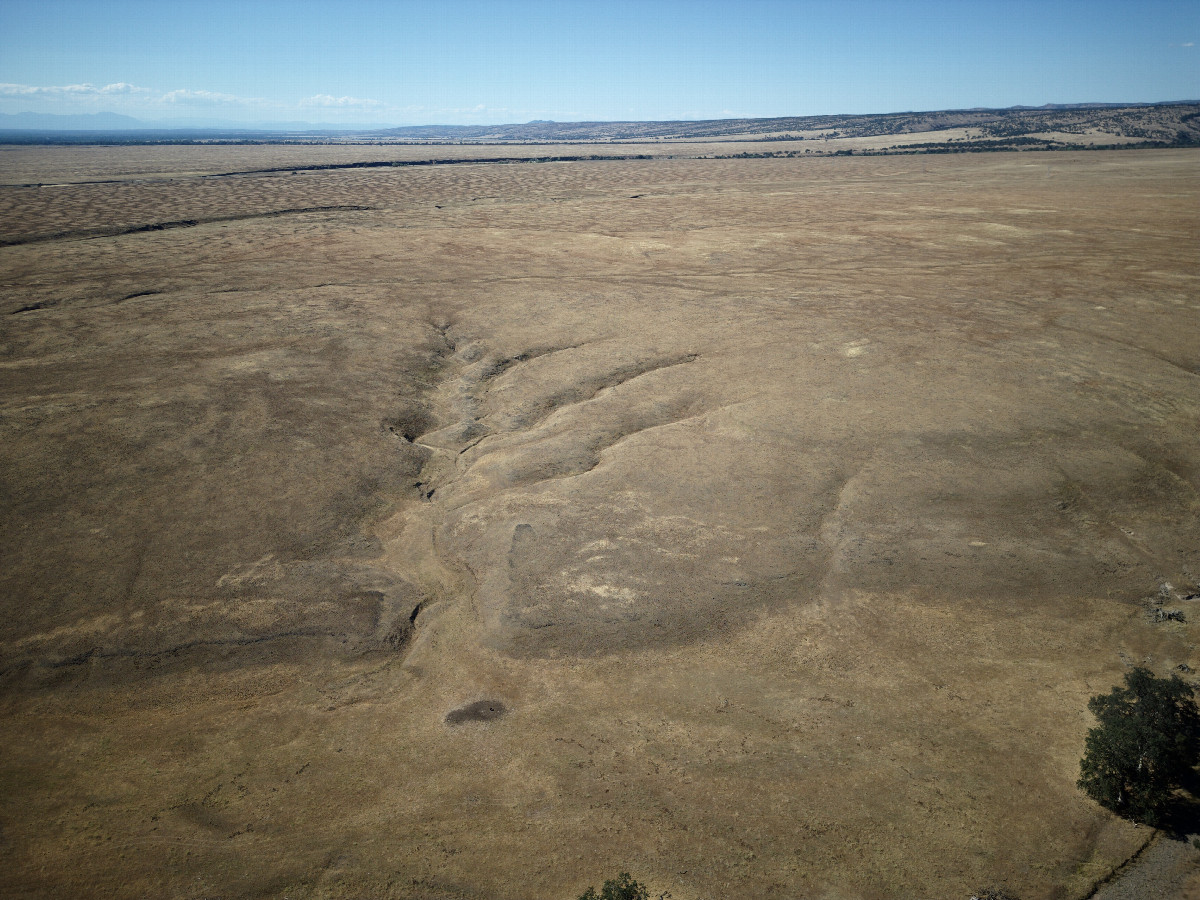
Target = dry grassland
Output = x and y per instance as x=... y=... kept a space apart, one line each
x=86 y=163
x=758 y=526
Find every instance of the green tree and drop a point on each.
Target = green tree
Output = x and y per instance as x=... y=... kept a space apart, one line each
x=1146 y=743
x=623 y=887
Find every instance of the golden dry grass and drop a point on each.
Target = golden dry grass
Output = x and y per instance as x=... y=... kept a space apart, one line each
x=792 y=509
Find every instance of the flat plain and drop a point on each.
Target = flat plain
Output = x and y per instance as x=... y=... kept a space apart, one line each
x=759 y=526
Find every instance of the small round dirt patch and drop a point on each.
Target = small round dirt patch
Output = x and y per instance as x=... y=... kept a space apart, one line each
x=479 y=711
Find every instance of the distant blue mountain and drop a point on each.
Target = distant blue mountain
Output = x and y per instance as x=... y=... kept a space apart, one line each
x=104 y=121
x=108 y=121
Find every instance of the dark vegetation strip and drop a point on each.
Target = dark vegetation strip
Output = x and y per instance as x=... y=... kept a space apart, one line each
x=129 y=653
x=404 y=163
x=368 y=164
x=1020 y=145
x=87 y=233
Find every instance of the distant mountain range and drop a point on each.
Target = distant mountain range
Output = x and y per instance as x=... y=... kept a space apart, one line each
x=108 y=121
x=1150 y=121
x=103 y=121
x=1051 y=127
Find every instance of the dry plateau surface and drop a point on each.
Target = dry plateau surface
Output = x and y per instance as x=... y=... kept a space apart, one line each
x=758 y=526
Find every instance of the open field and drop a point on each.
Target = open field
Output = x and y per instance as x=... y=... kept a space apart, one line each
x=760 y=527
x=65 y=165
x=32 y=164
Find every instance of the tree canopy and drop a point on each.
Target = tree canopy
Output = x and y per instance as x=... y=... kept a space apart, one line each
x=1146 y=743
x=623 y=887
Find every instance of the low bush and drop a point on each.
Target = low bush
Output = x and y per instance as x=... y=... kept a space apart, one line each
x=623 y=887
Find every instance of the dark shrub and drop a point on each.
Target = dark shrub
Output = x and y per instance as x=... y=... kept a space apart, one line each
x=623 y=887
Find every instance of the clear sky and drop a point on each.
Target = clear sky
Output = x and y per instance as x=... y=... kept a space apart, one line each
x=457 y=62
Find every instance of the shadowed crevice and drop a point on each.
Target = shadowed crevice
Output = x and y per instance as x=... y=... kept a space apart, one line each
x=92 y=233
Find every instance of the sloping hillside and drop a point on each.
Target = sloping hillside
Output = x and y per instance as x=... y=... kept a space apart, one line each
x=1168 y=123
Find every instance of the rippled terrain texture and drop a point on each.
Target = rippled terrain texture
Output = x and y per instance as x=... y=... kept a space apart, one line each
x=759 y=527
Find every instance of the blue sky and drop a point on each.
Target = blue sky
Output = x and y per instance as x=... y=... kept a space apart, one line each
x=443 y=61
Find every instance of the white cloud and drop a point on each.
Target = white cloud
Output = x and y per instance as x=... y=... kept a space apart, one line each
x=185 y=103
x=328 y=101
x=131 y=99
x=1189 y=44
x=123 y=87
x=78 y=91
x=205 y=98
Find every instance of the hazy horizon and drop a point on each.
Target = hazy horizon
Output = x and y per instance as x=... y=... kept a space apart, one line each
x=108 y=121
x=470 y=63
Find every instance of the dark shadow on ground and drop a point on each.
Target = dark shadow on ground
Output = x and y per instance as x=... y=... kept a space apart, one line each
x=1182 y=817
